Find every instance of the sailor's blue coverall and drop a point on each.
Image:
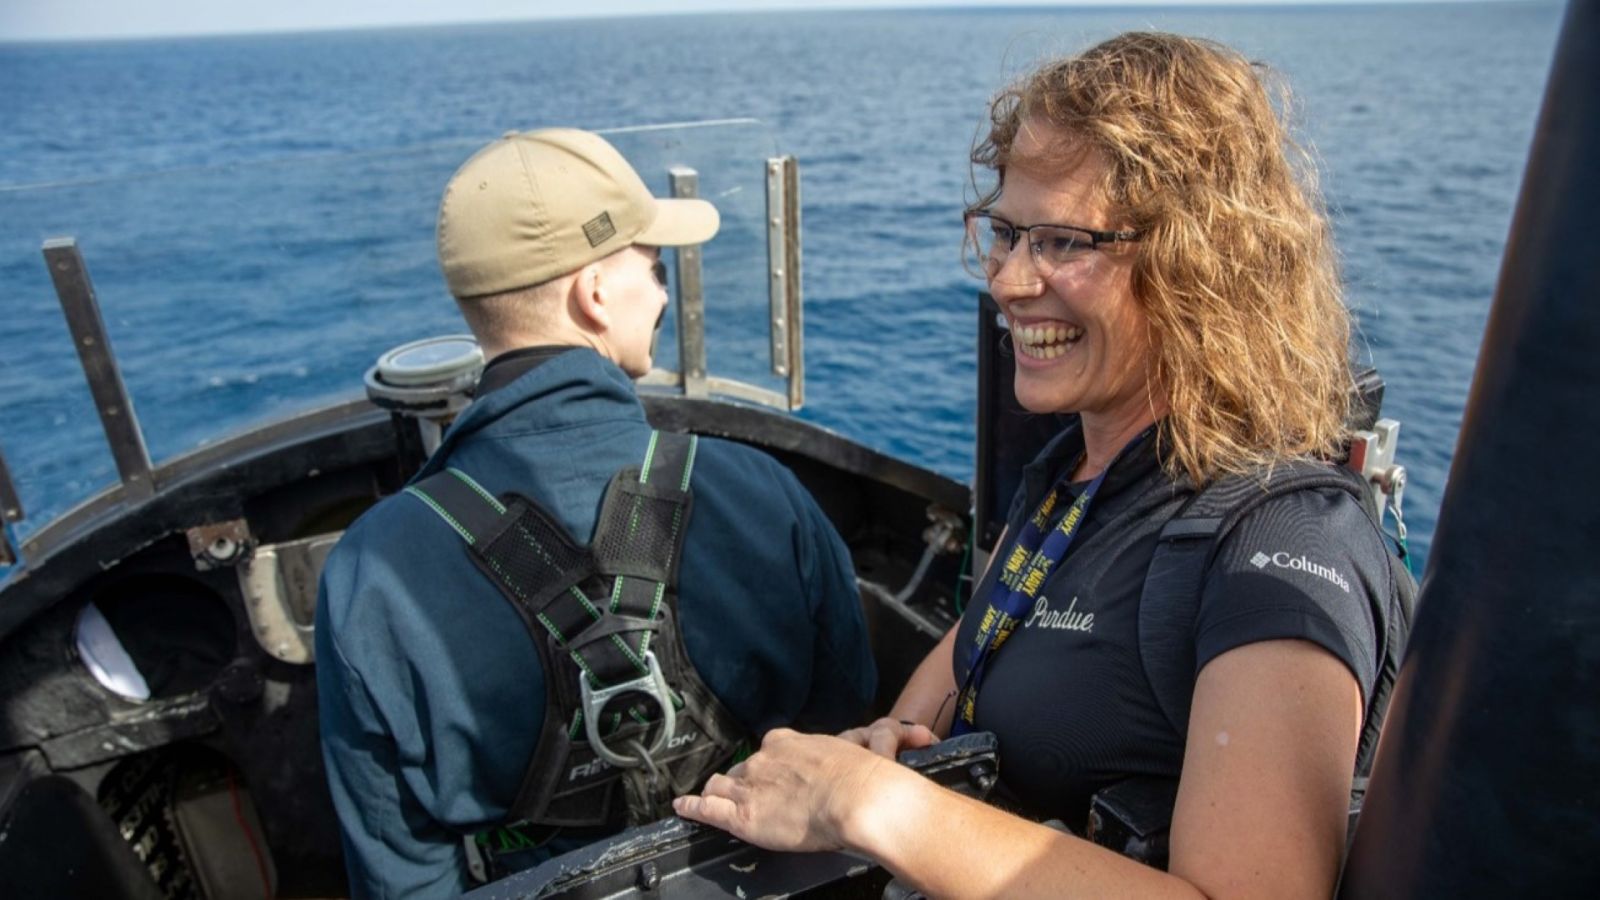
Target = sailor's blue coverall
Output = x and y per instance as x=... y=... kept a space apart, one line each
x=431 y=692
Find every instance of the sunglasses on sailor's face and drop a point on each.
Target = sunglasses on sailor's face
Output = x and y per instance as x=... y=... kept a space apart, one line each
x=659 y=270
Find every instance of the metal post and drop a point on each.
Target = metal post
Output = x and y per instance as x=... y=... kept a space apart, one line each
x=796 y=342
x=111 y=400
x=10 y=502
x=783 y=274
x=1487 y=779
x=10 y=511
x=778 y=265
x=691 y=297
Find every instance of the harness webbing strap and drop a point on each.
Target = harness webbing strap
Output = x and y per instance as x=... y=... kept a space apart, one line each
x=637 y=536
x=1170 y=602
x=473 y=512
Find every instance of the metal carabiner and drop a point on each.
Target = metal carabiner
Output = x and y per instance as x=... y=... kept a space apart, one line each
x=653 y=685
x=1396 y=484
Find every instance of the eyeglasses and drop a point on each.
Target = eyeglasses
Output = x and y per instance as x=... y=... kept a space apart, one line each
x=659 y=270
x=1050 y=246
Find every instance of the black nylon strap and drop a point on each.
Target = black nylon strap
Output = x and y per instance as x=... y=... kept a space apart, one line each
x=638 y=540
x=671 y=460
x=1170 y=601
x=542 y=568
x=636 y=597
x=477 y=517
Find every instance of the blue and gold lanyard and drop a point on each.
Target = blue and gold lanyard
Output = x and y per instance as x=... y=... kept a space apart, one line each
x=1024 y=573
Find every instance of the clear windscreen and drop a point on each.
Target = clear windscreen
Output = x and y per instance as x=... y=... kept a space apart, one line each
x=243 y=293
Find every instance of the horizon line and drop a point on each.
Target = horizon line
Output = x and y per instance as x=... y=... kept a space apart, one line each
x=789 y=7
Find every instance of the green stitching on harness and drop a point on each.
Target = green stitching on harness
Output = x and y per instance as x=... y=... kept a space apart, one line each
x=649 y=454
x=478 y=488
x=554 y=631
x=584 y=599
x=688 y=464
x=655 y=608
x=633 y=517
x=551 y=626
x=577 y=723
x=543 y=620
x=638 y=716
x=616 y=594
x=628 y=652
x=677 y=521
x=584 y=667
x=465 y=535
x=534 y=543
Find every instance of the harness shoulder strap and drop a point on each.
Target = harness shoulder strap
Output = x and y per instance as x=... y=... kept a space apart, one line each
x=1170 y=601
x=464 y=504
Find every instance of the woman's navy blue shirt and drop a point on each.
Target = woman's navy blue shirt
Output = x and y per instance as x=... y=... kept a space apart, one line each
x=1067 y=694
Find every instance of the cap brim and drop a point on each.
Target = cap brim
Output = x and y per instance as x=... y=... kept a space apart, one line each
x=680 y=222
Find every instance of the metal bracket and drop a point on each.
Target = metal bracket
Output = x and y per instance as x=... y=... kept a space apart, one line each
x=691 y=296
x=783 y=274
x=1372 y=455
x=945 y=535
x=221 y=544
x=82 y=310
x=279 y=582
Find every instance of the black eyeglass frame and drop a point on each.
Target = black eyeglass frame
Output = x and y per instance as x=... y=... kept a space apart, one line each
x=1096 y=238
x=659 y=270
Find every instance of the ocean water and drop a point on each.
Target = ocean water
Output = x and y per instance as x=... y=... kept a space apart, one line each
x=256 y=212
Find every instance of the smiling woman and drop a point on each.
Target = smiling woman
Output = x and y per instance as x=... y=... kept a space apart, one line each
x=1167 y=276
x=1083 y=341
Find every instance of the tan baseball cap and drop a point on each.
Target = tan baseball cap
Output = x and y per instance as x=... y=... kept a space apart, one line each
x=535 y=206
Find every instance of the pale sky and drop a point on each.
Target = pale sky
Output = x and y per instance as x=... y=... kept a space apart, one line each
x=75 y=19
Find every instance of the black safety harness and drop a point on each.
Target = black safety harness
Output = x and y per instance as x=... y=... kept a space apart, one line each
x=1134 y=816
x=628 y=722
x=1170 y=602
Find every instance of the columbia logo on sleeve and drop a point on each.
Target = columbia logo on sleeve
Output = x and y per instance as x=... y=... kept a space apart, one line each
x=1300 y=563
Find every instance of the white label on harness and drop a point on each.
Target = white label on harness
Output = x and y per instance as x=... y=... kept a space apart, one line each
x=598 y=765
x=595 y=767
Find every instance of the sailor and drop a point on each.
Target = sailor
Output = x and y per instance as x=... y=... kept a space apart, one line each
x=450 y=647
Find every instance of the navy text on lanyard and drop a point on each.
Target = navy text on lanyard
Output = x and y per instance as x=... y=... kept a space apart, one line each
x=1025 y=569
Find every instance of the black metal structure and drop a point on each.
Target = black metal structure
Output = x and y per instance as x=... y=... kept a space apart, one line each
x=89 y=338
x=1009 y=437
x=183 y=613
x=1487 y=781
x=676 y=859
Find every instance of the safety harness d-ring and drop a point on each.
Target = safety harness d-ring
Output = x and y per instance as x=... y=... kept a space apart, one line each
x=653 y=685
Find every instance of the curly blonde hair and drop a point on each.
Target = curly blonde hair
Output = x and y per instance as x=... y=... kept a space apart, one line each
x=1235 y=270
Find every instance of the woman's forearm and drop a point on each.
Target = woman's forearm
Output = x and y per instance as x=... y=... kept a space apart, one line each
x=947 y=845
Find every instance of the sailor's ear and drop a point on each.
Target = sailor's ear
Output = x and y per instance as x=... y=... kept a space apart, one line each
x=591 y=298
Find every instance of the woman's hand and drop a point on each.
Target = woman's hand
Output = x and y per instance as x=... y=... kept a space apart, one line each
x=887 y=737
x=800 y=792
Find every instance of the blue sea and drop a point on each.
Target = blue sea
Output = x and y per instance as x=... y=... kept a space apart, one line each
x=256 y=212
